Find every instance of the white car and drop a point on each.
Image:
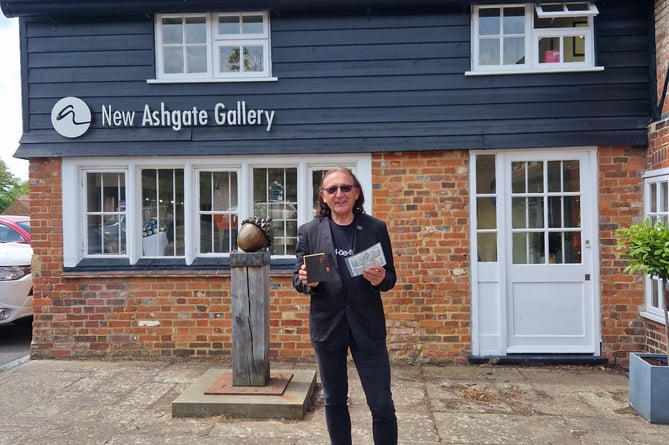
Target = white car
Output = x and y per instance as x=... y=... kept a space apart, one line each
x=16 y=282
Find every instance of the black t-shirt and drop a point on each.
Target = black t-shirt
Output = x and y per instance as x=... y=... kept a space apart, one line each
x=343 y=238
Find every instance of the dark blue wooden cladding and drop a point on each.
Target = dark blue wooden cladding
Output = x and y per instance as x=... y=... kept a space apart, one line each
x=346 y=83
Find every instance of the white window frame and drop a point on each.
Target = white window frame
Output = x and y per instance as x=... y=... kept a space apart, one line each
x=657 y=210
x=532 y=37
x=73 y=182
x=214 y=41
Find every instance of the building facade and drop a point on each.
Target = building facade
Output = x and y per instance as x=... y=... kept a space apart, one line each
x=502 y=142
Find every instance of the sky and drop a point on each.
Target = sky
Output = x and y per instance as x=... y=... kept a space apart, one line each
x=10 y=97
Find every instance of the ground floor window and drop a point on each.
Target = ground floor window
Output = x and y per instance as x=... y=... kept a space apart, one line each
x=656 y=193
x=137 y=210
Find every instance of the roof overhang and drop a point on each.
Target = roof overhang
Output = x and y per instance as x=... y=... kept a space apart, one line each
x=36 y=8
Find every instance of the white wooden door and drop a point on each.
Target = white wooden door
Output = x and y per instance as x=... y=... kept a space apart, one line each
x=549 y=207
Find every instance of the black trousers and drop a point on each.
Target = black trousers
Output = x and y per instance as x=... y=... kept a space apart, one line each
x=373 y=366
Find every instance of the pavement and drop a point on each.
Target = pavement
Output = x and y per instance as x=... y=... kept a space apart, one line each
x=130 y=402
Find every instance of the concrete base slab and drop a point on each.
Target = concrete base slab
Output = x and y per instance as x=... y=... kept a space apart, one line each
x=292 y=404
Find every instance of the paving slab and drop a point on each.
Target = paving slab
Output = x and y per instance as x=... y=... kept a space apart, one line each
x=103 y=402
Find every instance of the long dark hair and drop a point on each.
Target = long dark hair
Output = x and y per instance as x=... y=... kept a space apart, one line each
x=358 y=209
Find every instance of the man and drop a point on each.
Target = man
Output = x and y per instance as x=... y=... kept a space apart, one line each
x=346 y=311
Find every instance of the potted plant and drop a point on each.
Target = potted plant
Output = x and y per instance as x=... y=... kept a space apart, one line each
x=646 y=247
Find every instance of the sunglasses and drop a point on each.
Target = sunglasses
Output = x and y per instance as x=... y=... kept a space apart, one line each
x=344 y=188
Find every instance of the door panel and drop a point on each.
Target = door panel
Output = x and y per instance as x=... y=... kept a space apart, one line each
x=550 y=299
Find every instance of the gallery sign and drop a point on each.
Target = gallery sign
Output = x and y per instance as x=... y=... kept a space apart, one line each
x=71 y=117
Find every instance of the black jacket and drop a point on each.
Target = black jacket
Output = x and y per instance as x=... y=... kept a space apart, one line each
x=335 y=311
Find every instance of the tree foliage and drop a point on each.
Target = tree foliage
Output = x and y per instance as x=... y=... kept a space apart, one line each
x=11 y=187
x=645 y=246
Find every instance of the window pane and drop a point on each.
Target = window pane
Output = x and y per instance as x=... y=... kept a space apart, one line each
x=316 y=178
x=514 y=51
x=535 y=177
x=487 y=247
x=489 y=22
x=518 y=215
x=535 y=212
x=173 y=60
x=172 y=31
x=196 y=30
x=489 y=52
x=572 y=247
x=555 y=212
x=518 y=170
x=653 y=197
x=485 y=214
x=664 y=196
x=572 y=211
x=520 y=248
x=253 y=58
x=197 y=59
x=163 y=212
x=536 y=248
x=485 y=174
x=229 y=59
x=559 y=22
x=105 y=210
x=514 y=21
x=219 y=215
x=275 y=196
x=655 y=286
x=252 y=24
x=574 y=48
x=228 y=25
x=571 y=175
x=528 y=248
x=549 y=50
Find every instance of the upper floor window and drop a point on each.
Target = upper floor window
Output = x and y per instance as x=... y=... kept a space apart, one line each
x=544 y=37
x=216 y=46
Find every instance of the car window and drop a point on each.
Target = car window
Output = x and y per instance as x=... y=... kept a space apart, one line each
x=9 y=235
x=25 y=225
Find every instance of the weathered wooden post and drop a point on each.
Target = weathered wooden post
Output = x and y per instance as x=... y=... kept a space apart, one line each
x=250 y=318
x=249 y=390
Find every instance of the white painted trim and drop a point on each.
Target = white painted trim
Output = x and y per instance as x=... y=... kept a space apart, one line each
x=74 y=226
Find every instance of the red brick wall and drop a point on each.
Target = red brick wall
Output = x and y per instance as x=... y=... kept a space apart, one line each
x=622 y=295
x=423 y=198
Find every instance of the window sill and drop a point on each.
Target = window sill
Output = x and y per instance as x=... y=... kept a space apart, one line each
x=535 y=71
x=202 y=267
x=653 y=317
x=208 y=80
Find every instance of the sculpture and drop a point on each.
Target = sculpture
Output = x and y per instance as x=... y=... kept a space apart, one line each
x=255 y=234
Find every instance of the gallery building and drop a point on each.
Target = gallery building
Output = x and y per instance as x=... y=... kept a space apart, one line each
x=502 y=142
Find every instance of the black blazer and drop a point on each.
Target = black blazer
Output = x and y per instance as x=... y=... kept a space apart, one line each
x=335 y=311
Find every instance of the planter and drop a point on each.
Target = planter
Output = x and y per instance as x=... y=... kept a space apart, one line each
x=649 y=387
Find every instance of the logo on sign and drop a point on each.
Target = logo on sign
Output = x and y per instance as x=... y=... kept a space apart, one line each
x=71 y=117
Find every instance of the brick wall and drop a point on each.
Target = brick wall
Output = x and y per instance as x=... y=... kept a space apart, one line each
x=423 y=198
x=622 y=295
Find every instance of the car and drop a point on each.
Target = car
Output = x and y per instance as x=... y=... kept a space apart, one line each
x=16 y=283
x=15 y=228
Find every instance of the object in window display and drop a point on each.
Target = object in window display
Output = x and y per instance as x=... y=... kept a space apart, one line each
x=255 y=234
x=552 y=56
x=154 y=238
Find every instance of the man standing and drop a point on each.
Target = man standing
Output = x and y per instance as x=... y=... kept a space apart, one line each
x=346 y=311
